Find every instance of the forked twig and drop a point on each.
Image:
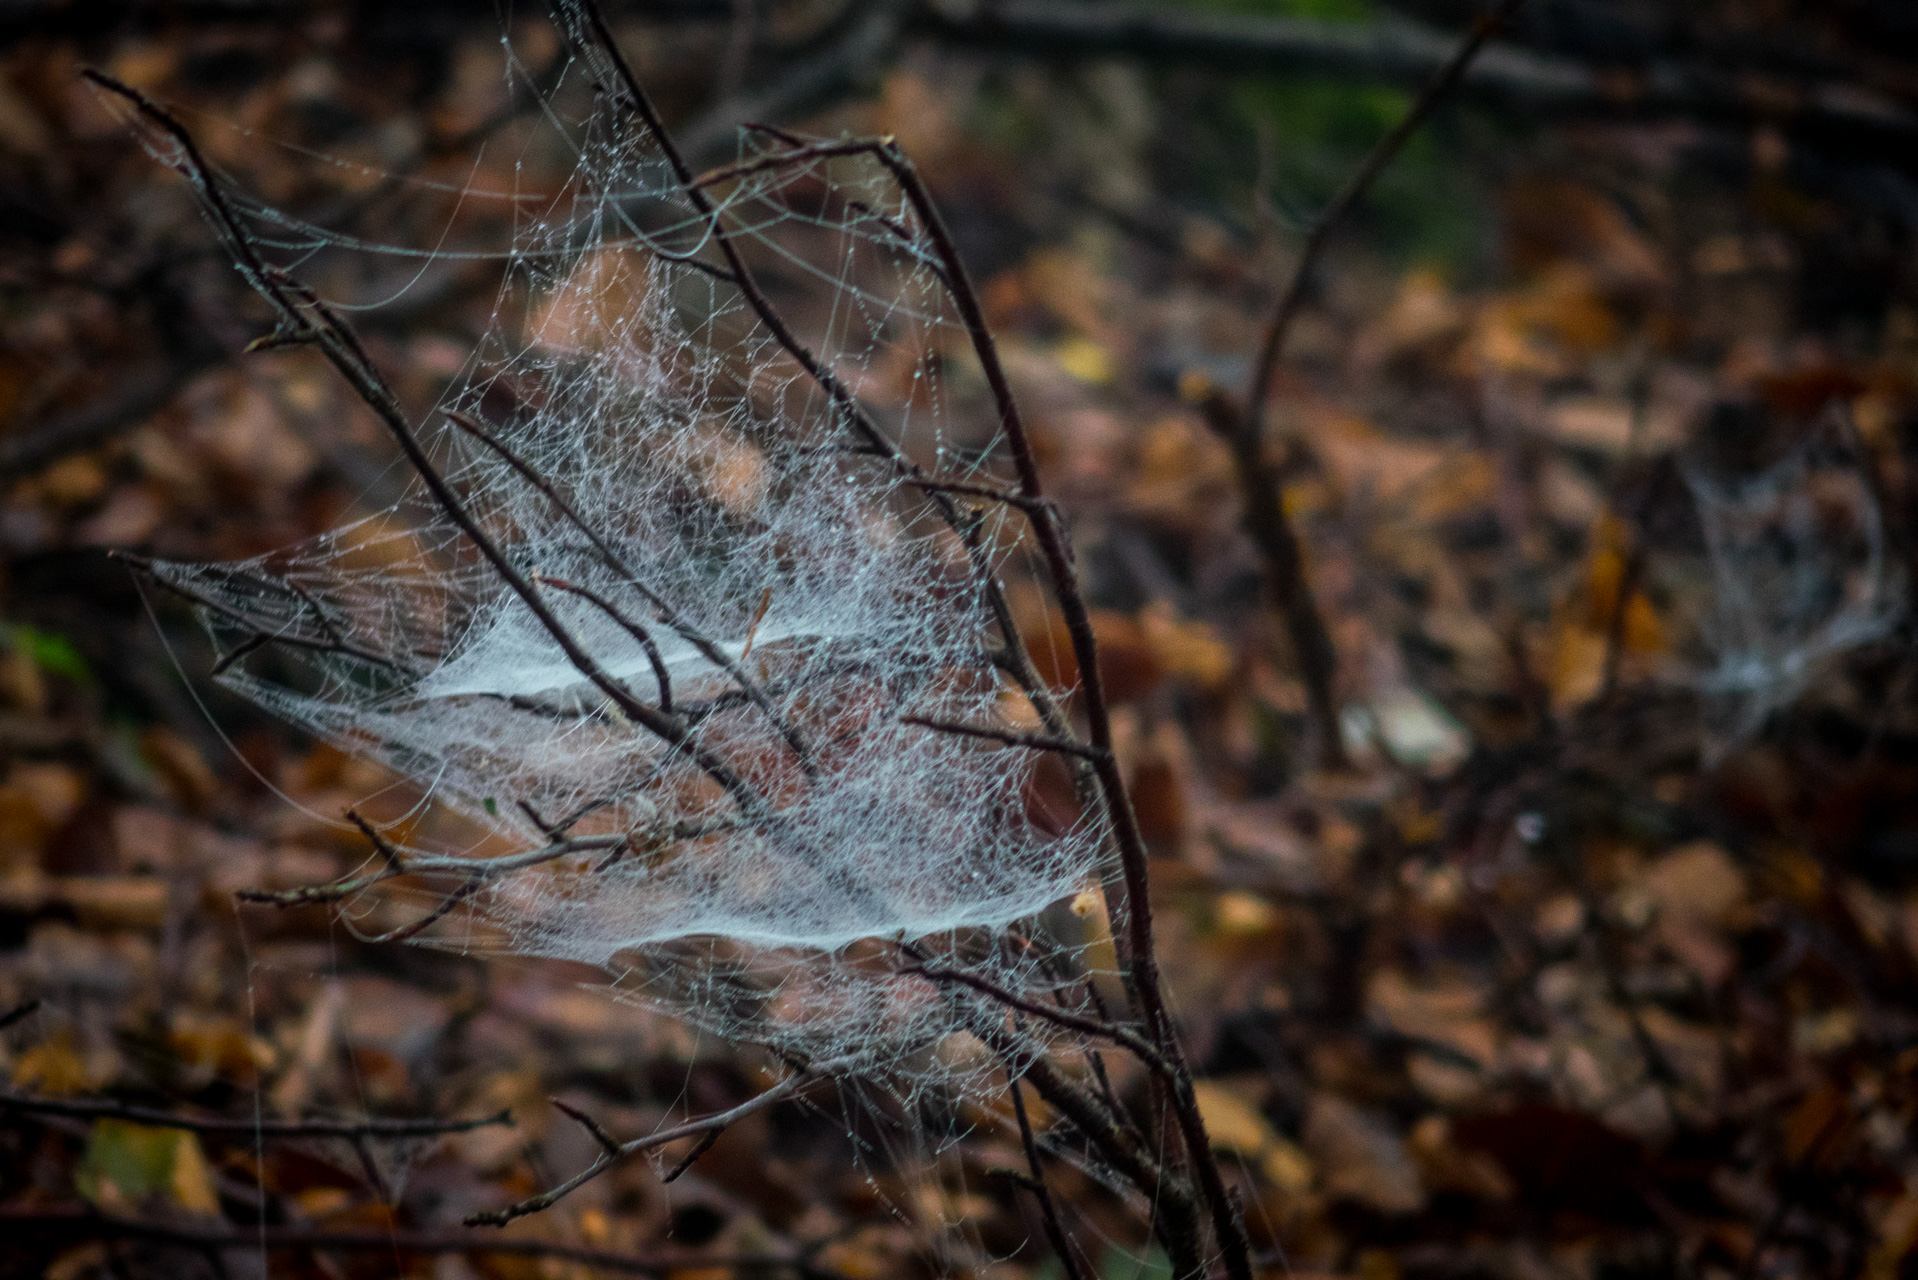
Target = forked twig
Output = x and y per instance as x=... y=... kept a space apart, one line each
x=396 y=862
x=1132 y=914
x=612 y=1151
x=707 y=646
x=304 y=318
x=259 y=635
x=1117 y=1034
x=1243 y=426
x=631 y=628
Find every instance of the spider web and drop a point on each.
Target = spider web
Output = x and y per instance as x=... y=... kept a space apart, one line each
x=1800 y=573
x=709 y=526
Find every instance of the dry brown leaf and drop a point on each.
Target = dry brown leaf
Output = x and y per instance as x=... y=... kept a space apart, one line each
x=1361 y=1156
x=1697 y=879
x=1186 y=650
x=1449 y=1013
x=1897 y=1237
x=180 y=766
x=1444 y=1166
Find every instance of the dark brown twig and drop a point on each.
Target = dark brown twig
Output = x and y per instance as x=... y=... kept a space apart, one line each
x=19 y=1013
x=1244 y=426
x=1036 y=1184
x=988 y=492
x=1119 y=1035
x=80 y=1224
x=639 y=633
x=1011 y=737
x=612 y=1151
x=475 y=871
x=148 y=569
x=805 y=153
x=608 y=1144
x=707 y=647
x=1175 y=1208
x=244 y=1127
x=686 y=1162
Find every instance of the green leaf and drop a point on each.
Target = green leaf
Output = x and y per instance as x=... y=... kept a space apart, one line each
x=51 y=653
x=127 y=1165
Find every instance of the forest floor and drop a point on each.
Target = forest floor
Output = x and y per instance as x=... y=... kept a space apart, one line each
x=1600 y=959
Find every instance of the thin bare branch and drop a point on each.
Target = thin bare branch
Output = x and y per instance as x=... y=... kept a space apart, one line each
x=710 y=649
x=259 y=635
x=475 y=871
x=1030 y=505
x=246 y=1126
x=608 y=1144
x=83 y=1223
x=686 y=1161
x=631 y=628
x=1011 y=737
x=1117 y=1034
x=1244 y=426
x=803 y=153
x=612 y=1151
x=1036 y=1184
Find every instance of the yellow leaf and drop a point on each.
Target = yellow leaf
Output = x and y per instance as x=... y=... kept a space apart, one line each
x=1085 y=360
x=1644 y=631
x=1235 y=1125
x=1286 y=1167
x=219 y=1047
x=1241 y=914
x=322 y=1202
x=1231 y=1122
x=1577 y=670
x=54 y=1067
x=192 y=1181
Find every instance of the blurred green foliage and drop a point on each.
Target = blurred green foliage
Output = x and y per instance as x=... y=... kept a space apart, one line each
x=1265 y=154
x=1427 y=207
x=54 y=654
x=1310 y=134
